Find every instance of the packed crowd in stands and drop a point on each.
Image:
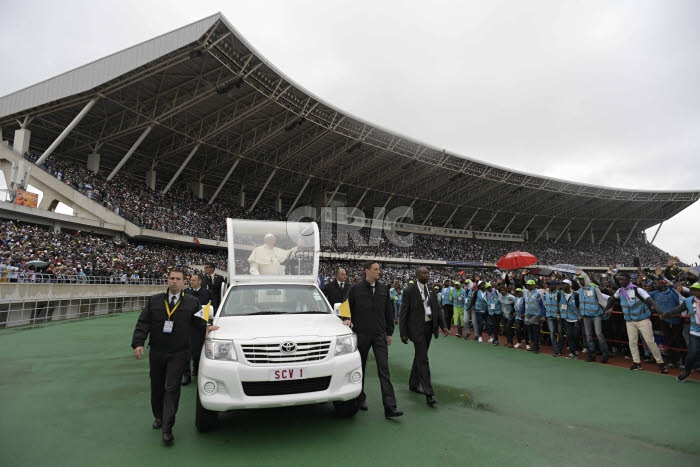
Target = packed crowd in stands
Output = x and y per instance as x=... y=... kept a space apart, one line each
x=87 y=258
x=489 y=251
x=151 y=209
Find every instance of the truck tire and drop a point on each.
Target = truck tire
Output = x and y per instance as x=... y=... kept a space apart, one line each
x=204 y=420
x=346 y=409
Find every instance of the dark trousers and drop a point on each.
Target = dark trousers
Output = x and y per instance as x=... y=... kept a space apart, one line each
x=197 y=341
x=673 y=337
x=420 y=371
x=378 y=345
x=508 y=328
x=520 y=330
x=693 y=349
x=573 y=335
x=449 y=310
x=495 y=326
x=533 y=331
x=166 y=375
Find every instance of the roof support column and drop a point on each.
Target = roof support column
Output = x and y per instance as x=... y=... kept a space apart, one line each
x=451 y=216
x=430 y=213
x=296 y=200
x=387 y=201
x=608 y=230
x=223 y=182
x=563 y=231
x=471 y=219
x=361 y=198
x=630 y=234
x=657 y=232
x=182 y=167
x=528 y=225
x=130 y=152
x=584 y=232
x=257 y=198
x=67 y=131
x=335 y=192
x=492 y=218
x=545 y=228
x=510 y=222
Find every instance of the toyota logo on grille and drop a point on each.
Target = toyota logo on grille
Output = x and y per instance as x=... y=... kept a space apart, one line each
x=288 y=347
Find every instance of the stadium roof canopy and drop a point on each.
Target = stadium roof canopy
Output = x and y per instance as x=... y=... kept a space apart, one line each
x=202 y=101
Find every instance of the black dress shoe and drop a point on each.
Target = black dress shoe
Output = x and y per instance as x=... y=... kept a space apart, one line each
x=157 y=423
x=431 y=400
x=392 y=413
x=167 y=437
x=363 y=405
x=416 y=389
x=186 y=380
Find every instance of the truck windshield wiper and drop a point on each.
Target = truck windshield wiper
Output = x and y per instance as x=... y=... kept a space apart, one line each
x=264 y=313
x=309 y=313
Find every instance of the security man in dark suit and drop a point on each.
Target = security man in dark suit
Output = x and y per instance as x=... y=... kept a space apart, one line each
x=421 y=317
x=167 y=319
x=372 y=319
x=197 y=338
x=336 y=291
x=213 y=283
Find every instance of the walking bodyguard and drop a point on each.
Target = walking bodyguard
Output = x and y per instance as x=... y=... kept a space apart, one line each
x=167 y=319
x=197 y=338
x=421 y=318
x=372 y=319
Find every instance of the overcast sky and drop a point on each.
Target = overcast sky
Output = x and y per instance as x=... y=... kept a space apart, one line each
x=601 y=92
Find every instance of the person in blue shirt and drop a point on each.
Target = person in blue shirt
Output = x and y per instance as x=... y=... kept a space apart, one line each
x=667 y=299
x=396 y=295
x=691 y=305
x=552 y=300
x=447 y=305
x=520 y=329
x=479 y=304
x=637 y=306
x=591 y=303
x=458 y=297
x=534 y=313
x=494 y=309
x=569 y=311
x=508 y=314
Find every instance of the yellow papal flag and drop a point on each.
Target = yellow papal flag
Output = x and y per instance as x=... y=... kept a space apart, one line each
x=344 y=309
x=205 y=313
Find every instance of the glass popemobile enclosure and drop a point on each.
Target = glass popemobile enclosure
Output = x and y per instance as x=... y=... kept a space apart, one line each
x=279 y=342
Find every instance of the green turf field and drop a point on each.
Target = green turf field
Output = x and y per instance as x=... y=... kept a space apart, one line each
x=73 y=395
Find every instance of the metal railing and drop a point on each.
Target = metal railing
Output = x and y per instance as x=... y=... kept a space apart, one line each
x=37 y=313
x=43 y=278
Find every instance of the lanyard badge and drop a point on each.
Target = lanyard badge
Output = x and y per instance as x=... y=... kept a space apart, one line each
x=168 y=324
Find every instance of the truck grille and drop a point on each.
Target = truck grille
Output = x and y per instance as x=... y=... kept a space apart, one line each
x=260 y=354
x=277 y=388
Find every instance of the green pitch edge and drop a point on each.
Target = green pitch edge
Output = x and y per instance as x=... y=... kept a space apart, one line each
x=73 y=395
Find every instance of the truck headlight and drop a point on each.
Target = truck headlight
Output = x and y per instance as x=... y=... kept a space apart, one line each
x=220 y=350
x=345 y=344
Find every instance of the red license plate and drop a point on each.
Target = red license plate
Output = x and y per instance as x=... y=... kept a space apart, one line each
x=286 y=374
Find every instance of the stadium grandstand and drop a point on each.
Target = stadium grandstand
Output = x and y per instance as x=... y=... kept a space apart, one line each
x=154 y=146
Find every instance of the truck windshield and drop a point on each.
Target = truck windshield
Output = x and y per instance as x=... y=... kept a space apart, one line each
x=274 y=299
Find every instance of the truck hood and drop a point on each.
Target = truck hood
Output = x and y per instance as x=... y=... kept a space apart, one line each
x=271 y=326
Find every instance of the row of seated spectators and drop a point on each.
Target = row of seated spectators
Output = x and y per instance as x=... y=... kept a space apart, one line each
x=82 y=254
x=180 y=212
x=470 y=250
x=83 y=257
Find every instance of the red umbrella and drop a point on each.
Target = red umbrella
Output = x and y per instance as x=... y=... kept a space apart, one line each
x=516 y=260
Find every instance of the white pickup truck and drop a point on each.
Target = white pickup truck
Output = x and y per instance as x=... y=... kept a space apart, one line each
x=279 y=342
